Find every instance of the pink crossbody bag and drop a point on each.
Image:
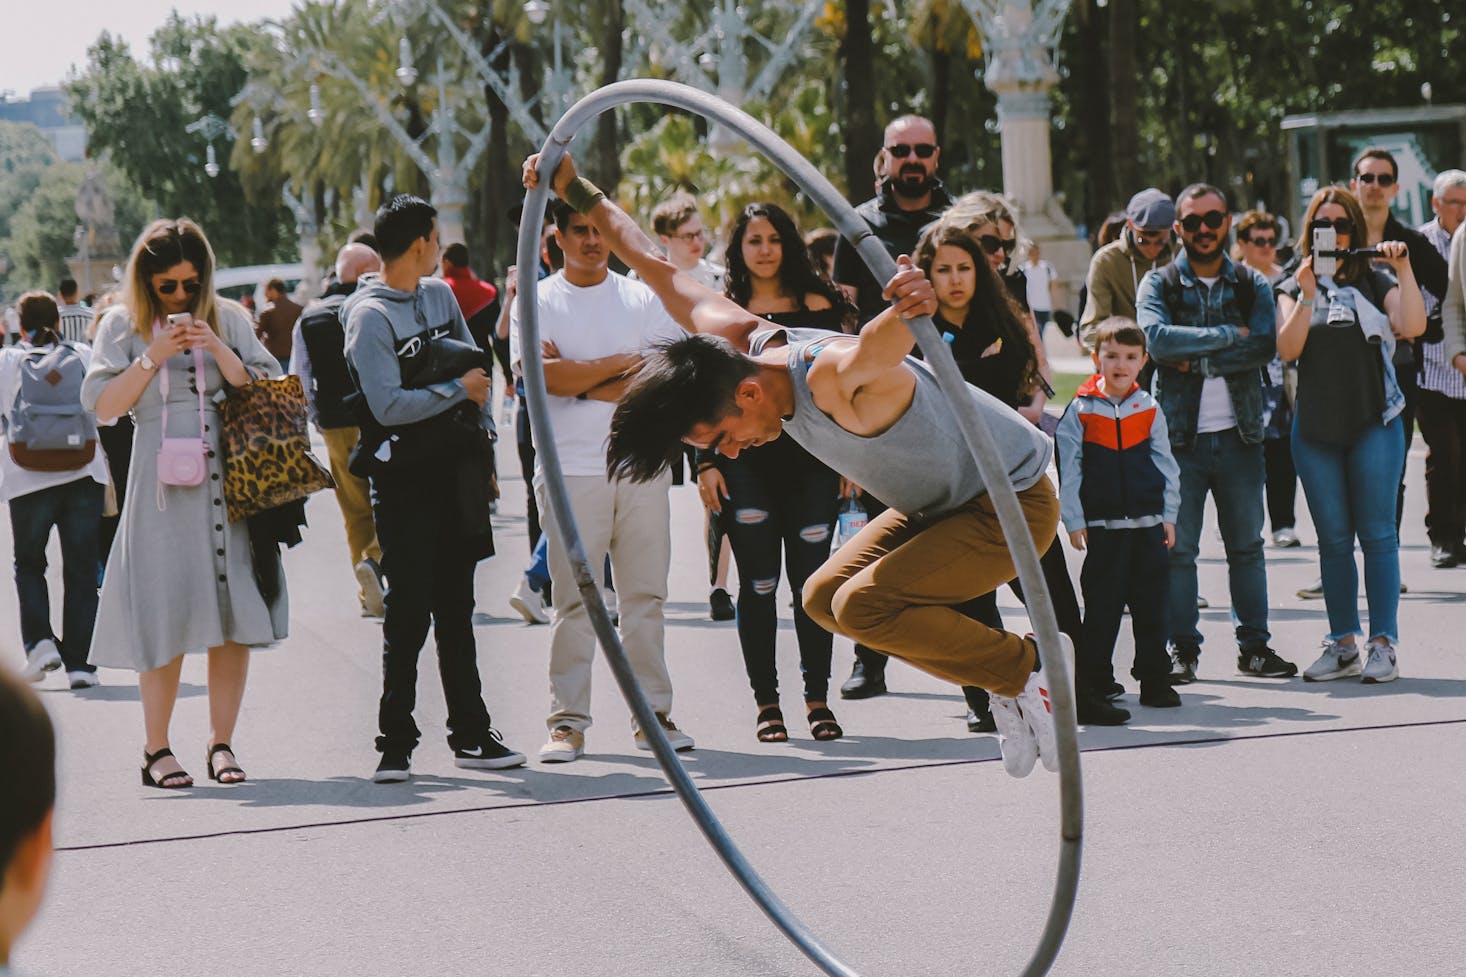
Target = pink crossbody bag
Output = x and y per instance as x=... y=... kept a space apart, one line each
x=181 y=461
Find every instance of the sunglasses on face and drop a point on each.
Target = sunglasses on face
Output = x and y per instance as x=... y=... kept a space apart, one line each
x=1261 y=242
x=1213 y=219
x=992 y=244
x=1341 y=225
x=689 y=236
x=1385 y=180
x=901 y=150
x=170 y=285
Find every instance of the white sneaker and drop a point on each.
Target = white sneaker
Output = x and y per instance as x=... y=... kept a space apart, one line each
x=565 y=744
x=1015 y=739
x=530 y=603
x=373 y=597
x=1381 y=666
x=44 y=657
x=1285 y=538
x=679 y=740
x=1038 y=709
x=1337 y=661
x=83 y=680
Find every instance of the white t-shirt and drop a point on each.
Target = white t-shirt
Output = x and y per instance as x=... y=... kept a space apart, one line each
x=1040 y=276
x=616 y=316
x=1216 y=413
x=14 y=480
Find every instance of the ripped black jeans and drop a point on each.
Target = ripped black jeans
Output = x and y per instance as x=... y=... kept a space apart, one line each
x=780 y=499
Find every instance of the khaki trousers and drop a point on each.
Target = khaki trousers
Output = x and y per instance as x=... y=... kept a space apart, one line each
x=894 y=587
x=632 y=522
x=353 y=495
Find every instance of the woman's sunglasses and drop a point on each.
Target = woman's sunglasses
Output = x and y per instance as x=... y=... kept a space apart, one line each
x=992 y=244
x=1261 y=242
x=901 y=150
x=1213 y=219
x=170 y=285
x=1342 y=225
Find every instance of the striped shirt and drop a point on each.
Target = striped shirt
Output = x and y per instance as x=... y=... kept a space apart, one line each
x=75 y=321
x=1436 y=373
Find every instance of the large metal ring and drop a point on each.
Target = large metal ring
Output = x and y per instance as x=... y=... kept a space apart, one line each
x=989 y=464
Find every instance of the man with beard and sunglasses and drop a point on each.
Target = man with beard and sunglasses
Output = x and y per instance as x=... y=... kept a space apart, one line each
x=909 y=197
x=1210 y=326
x=1376 y=183
x=1116 y=269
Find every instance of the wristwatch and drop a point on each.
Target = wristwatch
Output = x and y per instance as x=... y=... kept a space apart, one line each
x=146 y=362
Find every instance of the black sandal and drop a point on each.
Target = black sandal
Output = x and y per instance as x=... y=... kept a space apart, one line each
x=771 y=728
x=169 y=781
x=214 y=774
x=822 y=725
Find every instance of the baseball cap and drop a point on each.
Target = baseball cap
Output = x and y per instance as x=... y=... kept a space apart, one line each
x=1151 y=209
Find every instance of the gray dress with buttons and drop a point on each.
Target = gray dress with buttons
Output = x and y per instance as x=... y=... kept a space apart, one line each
x=179 y=580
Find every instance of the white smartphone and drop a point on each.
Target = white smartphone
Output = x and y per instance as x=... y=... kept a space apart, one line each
x=184 y=319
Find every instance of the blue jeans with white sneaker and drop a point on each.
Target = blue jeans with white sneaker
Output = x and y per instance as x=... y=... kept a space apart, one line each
x=1351 y=493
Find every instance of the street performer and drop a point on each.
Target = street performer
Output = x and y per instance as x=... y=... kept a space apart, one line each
x=869 y=410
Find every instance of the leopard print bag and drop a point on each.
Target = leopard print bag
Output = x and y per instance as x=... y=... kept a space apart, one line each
x=267 y=457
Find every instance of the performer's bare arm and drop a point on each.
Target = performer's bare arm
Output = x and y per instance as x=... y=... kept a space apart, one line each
x=693 y=305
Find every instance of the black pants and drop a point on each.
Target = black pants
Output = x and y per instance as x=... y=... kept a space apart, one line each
x=117 y=445
x=73 y=509
x=1282 y=482
x=430 y=581
x=1066 y=613
x=1126 y=566
x=780 y=500
x=1409 y=386
x=1443 y=425
x=526 y=469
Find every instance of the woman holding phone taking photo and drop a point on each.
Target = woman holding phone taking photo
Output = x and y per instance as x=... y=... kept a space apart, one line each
x=1341 y=317
x=179 y=578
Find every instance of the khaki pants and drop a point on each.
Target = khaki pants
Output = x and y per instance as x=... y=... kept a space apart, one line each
x=632 y=522
x=894 y=586
x=353 y=495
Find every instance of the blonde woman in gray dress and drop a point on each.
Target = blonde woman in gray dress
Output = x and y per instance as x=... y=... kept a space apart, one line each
x=179 y=578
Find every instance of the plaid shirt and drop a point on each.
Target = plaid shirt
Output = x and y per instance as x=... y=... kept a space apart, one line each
x=1435 y=372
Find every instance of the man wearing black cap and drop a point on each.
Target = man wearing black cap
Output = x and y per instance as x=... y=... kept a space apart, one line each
x=1116 y=269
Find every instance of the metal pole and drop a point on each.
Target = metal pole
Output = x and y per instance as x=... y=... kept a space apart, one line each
x=979 y=440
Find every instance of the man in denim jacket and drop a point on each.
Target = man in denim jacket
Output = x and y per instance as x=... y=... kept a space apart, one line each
x=1211 y=340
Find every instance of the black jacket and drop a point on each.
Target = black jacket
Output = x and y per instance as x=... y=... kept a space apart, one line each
x=325 y=344
x=897 y=229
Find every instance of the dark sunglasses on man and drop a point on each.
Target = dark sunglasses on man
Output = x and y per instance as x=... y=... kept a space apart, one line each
x=992 y=244
x=170 y=285
x=1385 y=180
x=1213 y=219
x=901 y=150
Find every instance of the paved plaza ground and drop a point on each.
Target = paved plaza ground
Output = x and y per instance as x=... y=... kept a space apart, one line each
x=1268 y=827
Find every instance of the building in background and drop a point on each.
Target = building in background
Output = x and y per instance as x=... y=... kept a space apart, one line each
x=46 y=108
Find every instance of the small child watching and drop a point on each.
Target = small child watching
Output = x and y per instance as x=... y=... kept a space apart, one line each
x=28 y=750
x=1119 y=495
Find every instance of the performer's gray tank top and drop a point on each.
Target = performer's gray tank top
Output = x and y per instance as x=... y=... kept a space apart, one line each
x=920 y=465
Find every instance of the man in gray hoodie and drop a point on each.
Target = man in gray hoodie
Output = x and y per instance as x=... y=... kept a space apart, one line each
x=418 y=488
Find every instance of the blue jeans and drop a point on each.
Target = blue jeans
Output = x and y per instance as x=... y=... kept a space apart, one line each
x=1234 y=473
x=1351 y=493
x=538 y=571
x=75 y=511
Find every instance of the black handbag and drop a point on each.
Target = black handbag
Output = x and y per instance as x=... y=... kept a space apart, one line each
x=438 y=359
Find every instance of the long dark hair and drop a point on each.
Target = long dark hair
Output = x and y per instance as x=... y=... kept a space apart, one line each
x=798 y=275
x=991 y=300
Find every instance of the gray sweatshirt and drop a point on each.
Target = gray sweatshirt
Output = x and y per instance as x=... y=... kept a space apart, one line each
x=378 y=320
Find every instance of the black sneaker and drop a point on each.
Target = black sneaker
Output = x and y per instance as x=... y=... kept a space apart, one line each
x=1159 y=695
x=394 y=767
x=981 y=722
x=721 y=606
x=1094 y=709
x=1264 y=663
x=1112 y=691
x=492 y=754
x=1183 y=667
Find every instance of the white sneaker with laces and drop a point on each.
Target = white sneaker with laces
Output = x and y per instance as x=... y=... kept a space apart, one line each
x=679 y=740
x=44 y=657
x=1038 y=709
x=1338 y=660
x=530 y=603
x=565 y=744
x=1381 y=666
x=83 y=680
x=1015 y=739
x=1285 y=538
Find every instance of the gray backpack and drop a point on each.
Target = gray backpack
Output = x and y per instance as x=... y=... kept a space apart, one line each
x=48 y=429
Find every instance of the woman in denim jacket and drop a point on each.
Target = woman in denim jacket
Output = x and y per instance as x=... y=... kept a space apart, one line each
x=1348 y=438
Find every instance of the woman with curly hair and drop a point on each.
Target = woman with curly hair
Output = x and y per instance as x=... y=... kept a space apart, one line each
x=776 y=497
